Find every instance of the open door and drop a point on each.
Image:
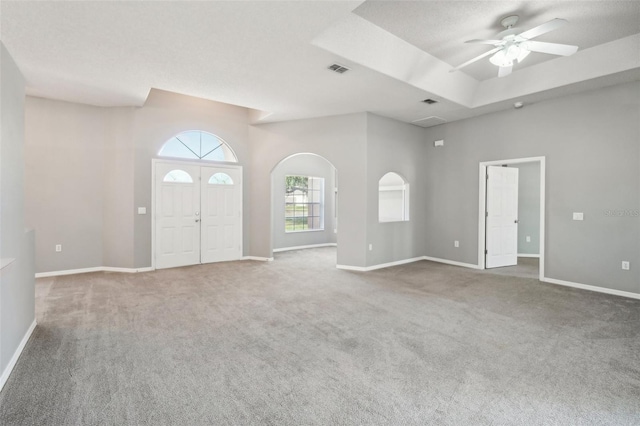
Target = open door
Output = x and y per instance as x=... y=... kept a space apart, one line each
x=501 y=217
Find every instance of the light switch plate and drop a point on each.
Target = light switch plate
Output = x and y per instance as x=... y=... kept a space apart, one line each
x=439 y=143
x=578 y=216
x=142 y=210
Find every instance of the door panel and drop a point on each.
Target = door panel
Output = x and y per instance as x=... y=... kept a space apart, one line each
x=222 y=217
x=177 y=205
x=502 y=217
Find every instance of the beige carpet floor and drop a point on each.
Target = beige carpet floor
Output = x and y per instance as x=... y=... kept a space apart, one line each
x=298 y=342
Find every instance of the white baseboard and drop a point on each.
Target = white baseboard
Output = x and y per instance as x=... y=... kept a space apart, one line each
x=278 y=250
x=127 y=270
x=592 y=288
x=14 y=359
x=451 y=262
x=528 y=255
x=68 y=272
x=95 y=269
x=379 y=266
x=262 y=259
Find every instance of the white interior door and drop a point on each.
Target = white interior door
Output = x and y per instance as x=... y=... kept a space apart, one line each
x=177 y=215
x=221 y=194
x=502 y=217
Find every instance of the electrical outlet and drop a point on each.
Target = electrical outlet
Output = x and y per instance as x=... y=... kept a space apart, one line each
x=456 y=243
x=370 y=247
x=625 y=265
x=528 y=239
x=58 y=248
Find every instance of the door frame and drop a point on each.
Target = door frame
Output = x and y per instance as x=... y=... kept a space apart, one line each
x=222 y=165
x=482 y=203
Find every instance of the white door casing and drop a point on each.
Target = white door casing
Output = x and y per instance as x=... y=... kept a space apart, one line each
x=177 y=209
x=502 y=217
x=197 y=219
x=221 y=195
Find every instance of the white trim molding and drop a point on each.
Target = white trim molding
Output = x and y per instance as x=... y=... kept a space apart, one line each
x=591 y=288
x=258 y=258
x=482 y=208
x=379 y=266
x=405 y=261
x=278 y=250
x=16 y=355
x=95 y=269
x=452 y=262
x=528 y=255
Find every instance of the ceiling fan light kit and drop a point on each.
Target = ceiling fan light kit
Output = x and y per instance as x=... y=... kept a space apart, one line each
x=512 y=46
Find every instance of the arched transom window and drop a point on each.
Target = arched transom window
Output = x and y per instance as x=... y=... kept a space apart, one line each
x=199 y=145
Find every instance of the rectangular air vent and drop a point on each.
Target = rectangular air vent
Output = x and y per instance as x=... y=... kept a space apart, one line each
x=429 y=121
x=340 y=69
x=430 y=101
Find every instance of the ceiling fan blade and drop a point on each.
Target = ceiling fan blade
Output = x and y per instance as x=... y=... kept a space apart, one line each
x=504 y=71
x=543 y=29
x=551 y=48
x=494 y=42
x=477 y=58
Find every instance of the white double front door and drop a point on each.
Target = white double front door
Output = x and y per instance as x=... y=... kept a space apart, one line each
x=198 y=214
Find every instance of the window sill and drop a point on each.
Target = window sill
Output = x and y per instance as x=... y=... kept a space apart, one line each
x=304 y=230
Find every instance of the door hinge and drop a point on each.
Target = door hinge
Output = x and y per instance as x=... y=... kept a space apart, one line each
x=486 y=214
x=486 y=252
x=486 y=176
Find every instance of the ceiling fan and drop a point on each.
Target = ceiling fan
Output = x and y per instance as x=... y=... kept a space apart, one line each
x=512 y=46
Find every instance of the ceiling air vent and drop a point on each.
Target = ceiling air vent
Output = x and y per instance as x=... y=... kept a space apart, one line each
x=429 y=121
x=340 y=69
x=430 y=101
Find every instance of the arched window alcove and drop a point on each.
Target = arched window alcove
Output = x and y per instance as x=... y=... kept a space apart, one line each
x=393 y=198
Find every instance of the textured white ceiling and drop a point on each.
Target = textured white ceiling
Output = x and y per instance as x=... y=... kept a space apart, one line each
x=271 y=56
x=441 y=27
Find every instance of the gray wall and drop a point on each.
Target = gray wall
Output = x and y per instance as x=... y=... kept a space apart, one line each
x=591 y=143
x=528 y=207
x=592 y=153
x=17 y=283
x=65 y=177
x=398 y=147
x=303 y=165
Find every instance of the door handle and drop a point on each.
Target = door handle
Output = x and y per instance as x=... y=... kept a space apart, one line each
x=515 y=221
x=197 y=220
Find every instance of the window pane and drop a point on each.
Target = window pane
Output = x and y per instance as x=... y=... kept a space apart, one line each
x=199 y=145
x=178 y=176
x=173 y=148
x=303 y=203
x=221 y=179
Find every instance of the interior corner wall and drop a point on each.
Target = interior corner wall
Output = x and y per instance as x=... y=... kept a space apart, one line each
x=339 y=139
x=528 y=208
x=65 y=179
x=17 y=283
x=393 y=146
x=590 y=141
x=118 y=208
x=302 y=165
x=163 y=116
